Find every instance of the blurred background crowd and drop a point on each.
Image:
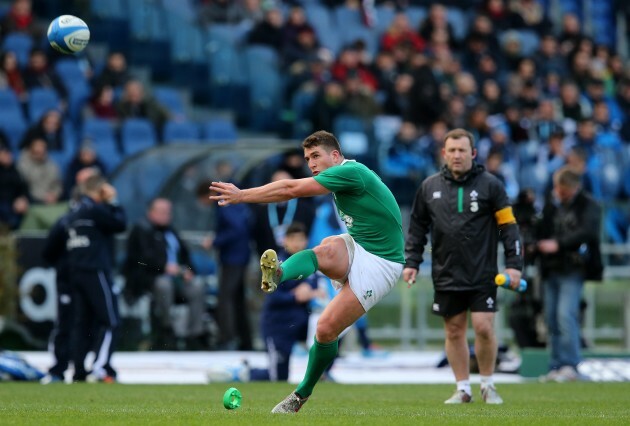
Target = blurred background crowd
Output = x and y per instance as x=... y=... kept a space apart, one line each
x=540 y=84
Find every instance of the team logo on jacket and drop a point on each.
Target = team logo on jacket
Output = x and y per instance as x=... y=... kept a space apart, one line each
x=474 y=204
x=437 y=194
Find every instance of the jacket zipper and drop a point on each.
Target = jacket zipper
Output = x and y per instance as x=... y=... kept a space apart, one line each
x=460 y=199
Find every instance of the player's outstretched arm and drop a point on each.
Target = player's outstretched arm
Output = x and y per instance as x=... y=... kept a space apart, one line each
x=281 y=190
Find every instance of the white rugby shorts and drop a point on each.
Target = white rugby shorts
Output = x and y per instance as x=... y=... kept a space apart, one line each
x=370 y=277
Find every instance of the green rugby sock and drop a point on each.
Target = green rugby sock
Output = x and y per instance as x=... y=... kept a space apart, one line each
x=300 y=265
x=319 y=358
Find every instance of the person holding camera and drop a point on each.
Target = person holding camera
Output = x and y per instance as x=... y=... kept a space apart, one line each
x=568 y=242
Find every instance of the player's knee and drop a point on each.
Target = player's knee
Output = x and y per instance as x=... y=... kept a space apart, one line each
x=326 y=331
x=455 y=333
x=484 y=331
x=325 y=253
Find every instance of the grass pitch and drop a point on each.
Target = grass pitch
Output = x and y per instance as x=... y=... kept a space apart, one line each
x=331 y=404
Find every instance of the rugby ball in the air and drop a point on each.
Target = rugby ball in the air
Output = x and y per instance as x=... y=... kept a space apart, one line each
x=68 y=34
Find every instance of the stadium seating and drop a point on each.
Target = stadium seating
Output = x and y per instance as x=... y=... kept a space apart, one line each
x=262 y=64
x=13 y=125
x=19 y=43
x=181 y=131
x=40 y=101
x=219 y=130
x=9 y=101
x=137 y=134
x=171 y=100
x=107 y=151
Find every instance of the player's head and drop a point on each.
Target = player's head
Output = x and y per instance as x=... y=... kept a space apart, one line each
x=566 y=183
x=295 y=238
x=459 y=151
x=321 y=151
x=92 y=186
x=160 y=212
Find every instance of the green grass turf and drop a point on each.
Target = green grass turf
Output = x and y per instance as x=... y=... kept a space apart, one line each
x=331 y=404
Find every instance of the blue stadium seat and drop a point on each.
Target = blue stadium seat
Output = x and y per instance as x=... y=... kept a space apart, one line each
x=416 y=16
x=181 y=131
x=171 y=99
x=9 y=101
x=301 y=104
x=146 y=21
x=19 y=43
x=97 y=129
x=321 y=19
x=187 y=40
x=458 y=21
x=13 y=125
x=263 y=68
x=107 y=151
x=69 y=71
x=220 y=130
x=137 y=134
x=353 y=135
x=108 y=8
x=41 y=100
x=384 y=17
x=184 y=8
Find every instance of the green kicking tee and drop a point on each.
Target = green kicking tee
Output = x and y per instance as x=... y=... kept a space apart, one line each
x=367 y=207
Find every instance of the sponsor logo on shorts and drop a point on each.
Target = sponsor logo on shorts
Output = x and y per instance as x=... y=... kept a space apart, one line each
x=367 y=294
x=436 y=307
x=490 y=302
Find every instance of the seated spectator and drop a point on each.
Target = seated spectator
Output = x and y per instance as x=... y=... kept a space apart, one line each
x=40 y=173
x=38 y=73
x=13 y=189
x=134 y=103
x=306 y=48
x=406 y=163
x=491 y=96
x=49 y=128
x=20 y=19
x=398 y=98
x=360 y=100
x=84 y=158
x=158 y=263
x=548 y=58
x=329 y=104
x=268 y=32
x=546 y=123
x=221 y=12
x=295 y=24
x=533 y=14
x=386 y=71
x=570 y=105
x=101 y=104
x=570 y=34
x=552 y=154
x=10 y=75
x=349 y=62
x=501 y=16
x=115 y=74
x=434 y=22
x=401 y=32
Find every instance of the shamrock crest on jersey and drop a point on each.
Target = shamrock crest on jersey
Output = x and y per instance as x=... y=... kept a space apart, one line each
x=348 y=220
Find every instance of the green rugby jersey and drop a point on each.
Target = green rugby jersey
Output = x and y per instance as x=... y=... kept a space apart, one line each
x=367 y=207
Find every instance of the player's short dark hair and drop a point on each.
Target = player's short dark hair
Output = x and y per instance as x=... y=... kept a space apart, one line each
x=568 y=177
x=459 y=134
x=324 y=139
x=295 y=228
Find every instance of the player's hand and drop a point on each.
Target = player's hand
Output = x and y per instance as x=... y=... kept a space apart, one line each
x=108 y=193
x=515 y=277
x=409 y=275
x=172 y=269
x=227 y=193
x=303 y=293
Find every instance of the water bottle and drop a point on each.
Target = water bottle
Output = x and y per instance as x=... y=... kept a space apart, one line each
x=503 y=280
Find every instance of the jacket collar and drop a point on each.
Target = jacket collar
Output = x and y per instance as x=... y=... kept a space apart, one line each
x=476 y=169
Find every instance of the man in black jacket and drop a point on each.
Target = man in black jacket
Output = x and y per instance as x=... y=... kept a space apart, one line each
x=158 y=262
x=569 y=246
x=466 y=209
x=91 y=227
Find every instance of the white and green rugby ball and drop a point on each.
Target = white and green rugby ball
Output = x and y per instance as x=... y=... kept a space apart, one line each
x=68 y=34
